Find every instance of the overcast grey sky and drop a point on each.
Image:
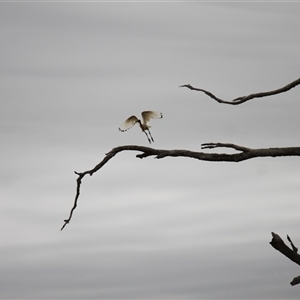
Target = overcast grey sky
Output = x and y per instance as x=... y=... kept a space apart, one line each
x=71 y=73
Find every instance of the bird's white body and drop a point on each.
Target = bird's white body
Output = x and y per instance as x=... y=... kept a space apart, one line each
x=144 y=125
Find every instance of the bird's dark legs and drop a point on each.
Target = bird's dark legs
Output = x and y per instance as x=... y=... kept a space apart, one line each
x=148 y=137
x=151 y=136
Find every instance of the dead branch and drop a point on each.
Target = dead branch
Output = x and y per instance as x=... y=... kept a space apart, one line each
x=243 y=99
x=243 y=153
x=292 y=254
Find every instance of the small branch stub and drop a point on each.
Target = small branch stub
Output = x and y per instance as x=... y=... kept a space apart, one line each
x=292 y=244
x=295 y=281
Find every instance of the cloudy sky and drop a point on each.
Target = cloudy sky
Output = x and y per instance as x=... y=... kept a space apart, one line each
x=71 y=73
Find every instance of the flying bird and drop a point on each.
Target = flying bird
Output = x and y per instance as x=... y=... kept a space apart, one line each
x=146 y=116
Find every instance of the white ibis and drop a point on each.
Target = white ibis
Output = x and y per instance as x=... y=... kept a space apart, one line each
x=146 y=116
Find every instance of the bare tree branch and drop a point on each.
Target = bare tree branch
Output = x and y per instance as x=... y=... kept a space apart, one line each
x=295 y=281
x=243 y=99
x=279 y=245
x=292 y=254
x=243 y=154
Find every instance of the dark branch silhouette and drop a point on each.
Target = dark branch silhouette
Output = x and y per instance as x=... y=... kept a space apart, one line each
x=292 y=254
x=243 y=153
x=243 y=99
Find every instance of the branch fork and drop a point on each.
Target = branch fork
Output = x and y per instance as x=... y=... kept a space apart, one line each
x=243 y=153
x=242 y=99
x=291 y=253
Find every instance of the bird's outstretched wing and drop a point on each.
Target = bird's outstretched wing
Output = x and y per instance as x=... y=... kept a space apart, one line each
x=147 y=115
x=128 y=123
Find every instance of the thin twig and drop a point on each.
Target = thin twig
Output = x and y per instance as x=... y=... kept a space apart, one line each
x=243 y=99
x=292 y=244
